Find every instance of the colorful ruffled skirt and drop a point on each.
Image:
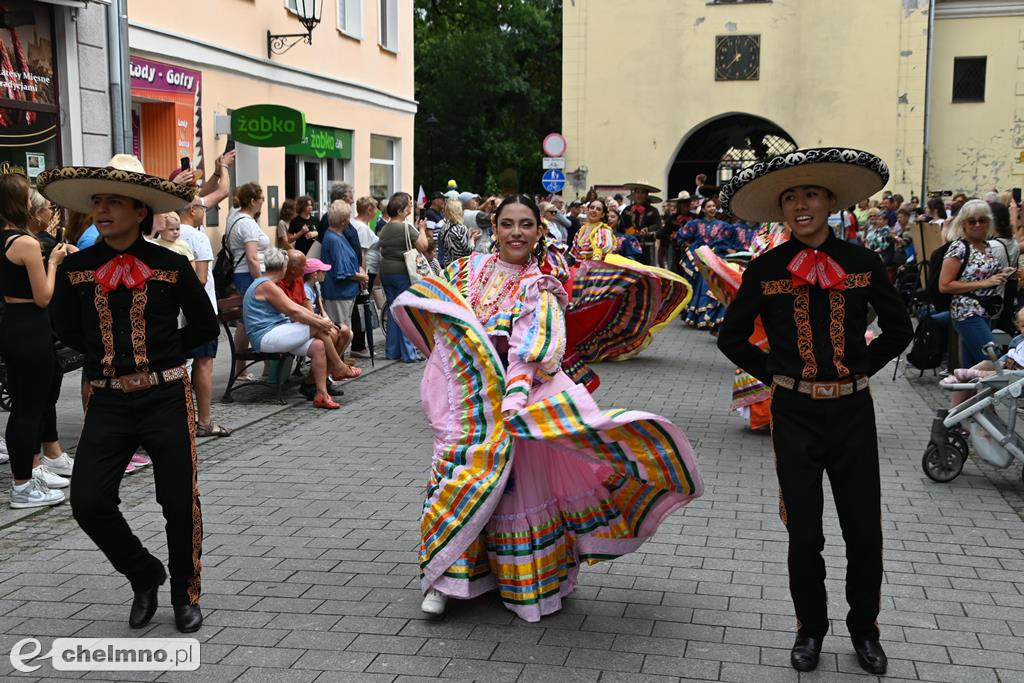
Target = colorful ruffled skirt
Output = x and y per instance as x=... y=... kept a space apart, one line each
x=616 y=308
x=517 y=505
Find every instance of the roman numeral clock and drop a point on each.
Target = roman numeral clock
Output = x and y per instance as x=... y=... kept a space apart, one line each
x=737 y=58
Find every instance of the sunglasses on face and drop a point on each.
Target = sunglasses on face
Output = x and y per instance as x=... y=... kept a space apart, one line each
x=977 y=221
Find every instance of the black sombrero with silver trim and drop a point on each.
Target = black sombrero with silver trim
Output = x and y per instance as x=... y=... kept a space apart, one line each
x=73 y=187
x=850 y=174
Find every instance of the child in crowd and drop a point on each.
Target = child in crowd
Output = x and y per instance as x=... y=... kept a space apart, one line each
x=1013 y=359
x=313 y=276
x=168 y=229
x=431 y=256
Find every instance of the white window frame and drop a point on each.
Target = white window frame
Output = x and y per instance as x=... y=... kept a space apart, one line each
x=394 y=163
x=352 y=13
x=388 y=19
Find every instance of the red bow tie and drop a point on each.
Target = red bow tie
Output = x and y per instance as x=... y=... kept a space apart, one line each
x=123 y=269
x=813 y=267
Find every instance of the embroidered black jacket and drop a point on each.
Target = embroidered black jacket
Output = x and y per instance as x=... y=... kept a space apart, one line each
x=813 y=333
x=131 y=330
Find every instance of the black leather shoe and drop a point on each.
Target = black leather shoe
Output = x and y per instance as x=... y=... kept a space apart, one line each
x=805 y=653
x=143 y=607
x=188 y=618
x=870 y=655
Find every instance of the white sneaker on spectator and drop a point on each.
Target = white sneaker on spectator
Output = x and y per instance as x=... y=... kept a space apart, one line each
x=61 y=465
x=48 y=479
x=4 y=457
x=434 y=602
x=34 y=495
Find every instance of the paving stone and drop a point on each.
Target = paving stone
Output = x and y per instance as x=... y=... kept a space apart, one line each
x=408 y=664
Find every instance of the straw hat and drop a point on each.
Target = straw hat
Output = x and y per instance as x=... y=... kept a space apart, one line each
x=74 y=187
x=849 y=174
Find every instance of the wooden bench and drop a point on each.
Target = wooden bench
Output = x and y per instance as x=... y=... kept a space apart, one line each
x=230 y=314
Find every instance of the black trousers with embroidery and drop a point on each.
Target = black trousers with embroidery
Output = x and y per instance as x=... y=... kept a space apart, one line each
x=837 y=437
x=160 y=419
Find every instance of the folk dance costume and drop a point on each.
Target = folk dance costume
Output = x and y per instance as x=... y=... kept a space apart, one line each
x=704 y=311
x=813 y=303
x=617 y=304
x=751 y=398
x=516 y=505
x=121 y=310
x=642 y=219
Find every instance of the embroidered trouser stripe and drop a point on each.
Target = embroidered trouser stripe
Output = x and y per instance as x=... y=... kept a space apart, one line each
x=161 y=420
x=836 y=437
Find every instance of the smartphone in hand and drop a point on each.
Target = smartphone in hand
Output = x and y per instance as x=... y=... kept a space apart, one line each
x=1016 y=195
x=186 y=163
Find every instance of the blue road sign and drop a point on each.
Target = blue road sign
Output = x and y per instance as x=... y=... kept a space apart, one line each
x=553 y=180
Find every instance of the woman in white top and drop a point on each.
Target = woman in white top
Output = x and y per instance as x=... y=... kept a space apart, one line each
x=248 y=245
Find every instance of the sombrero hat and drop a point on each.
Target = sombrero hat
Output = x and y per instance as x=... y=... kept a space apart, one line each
x=849 y=174
x=73 y=187
x=641 y=184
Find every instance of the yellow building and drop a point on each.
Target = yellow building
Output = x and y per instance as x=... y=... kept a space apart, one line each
x=667 y=89
x=193 y=62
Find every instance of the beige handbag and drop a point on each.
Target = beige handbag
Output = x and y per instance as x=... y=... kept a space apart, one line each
x=416 y=264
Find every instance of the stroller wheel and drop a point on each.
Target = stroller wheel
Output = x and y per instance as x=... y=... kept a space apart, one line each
x=946 y=465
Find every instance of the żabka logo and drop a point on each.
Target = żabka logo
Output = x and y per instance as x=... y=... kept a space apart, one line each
x=262 y=127
x=268 y=125
x=109 y=654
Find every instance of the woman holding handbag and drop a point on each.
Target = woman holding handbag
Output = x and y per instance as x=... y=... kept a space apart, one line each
x=400 y=245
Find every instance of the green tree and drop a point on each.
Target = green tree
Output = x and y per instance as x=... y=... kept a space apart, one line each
x=490 y=72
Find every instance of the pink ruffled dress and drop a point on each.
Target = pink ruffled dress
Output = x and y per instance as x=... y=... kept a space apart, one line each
x=529 y=478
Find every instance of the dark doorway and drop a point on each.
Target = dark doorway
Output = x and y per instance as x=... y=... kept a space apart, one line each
x=723 y=146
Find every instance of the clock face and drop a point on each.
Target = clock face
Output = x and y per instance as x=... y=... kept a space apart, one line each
x=737 y=58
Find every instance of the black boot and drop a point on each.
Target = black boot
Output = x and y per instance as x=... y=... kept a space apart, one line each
x=188 y=618
x=145 y=603
x=870 y=655
x=805 y=653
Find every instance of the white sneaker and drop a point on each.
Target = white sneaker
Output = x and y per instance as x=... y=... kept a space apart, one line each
x=35 y=495
x=434 y=603
x=3 y=446
x=61 y=465
x=48 y=479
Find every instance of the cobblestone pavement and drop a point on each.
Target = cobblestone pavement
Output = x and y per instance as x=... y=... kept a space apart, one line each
x=311 y=536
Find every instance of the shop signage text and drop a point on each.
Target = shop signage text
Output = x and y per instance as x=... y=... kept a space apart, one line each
x=157 y=76
x=268 y=125
x=322 y=142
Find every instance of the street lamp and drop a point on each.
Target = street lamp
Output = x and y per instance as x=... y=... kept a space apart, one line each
x=431 y=123
x=309 y=12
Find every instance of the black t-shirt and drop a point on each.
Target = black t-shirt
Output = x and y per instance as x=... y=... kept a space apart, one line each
x=305 y=242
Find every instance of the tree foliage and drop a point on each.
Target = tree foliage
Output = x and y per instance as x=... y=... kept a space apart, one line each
x=490 y=71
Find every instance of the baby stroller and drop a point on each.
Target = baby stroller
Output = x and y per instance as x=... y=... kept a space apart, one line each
x=977 y=423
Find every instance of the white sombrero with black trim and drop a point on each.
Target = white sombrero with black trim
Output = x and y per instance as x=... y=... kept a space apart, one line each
x=849 y=174
x=73 y=187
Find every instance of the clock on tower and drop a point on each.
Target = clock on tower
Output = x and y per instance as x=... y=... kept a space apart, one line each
x=737 y=58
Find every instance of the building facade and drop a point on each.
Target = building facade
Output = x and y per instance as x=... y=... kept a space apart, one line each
x=191 y=67
x=54 y=75
x=936 y=87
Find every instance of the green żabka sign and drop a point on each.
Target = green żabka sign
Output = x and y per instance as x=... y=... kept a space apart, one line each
x=268 y=125
x=323 y=143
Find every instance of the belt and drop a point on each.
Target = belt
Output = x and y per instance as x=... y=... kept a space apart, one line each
x=140 y=380
x=823 y=390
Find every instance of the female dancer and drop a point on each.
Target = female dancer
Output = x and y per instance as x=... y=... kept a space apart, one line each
x=520 y=493
x=704 y=312
x=617 y=303
x=595 y=238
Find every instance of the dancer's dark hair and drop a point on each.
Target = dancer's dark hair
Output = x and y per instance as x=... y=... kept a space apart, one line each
x=523 y=199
